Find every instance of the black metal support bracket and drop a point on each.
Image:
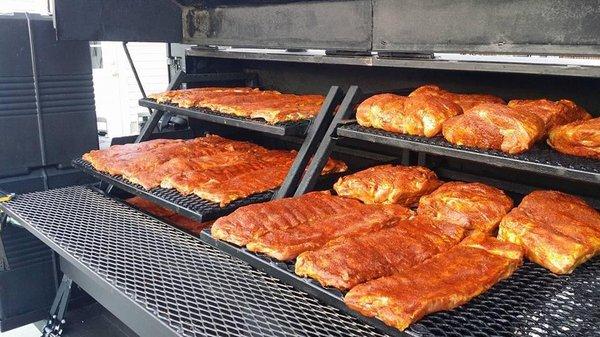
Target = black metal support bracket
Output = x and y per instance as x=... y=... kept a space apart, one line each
x=329 y=140
x=38 y=104
x=3 y=258
x=56 y=323
x=314 y=135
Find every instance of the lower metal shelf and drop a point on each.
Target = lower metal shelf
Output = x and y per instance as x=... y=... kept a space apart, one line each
x=540 y=159
x=532 y=302
x=164 y=282
x=189 y=205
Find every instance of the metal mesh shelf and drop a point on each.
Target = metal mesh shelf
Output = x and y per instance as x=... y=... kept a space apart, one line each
x=172 y=277
x=541 y=158
x=196 y=289
x=532 y=302
x=189 y=205
x=283 y=129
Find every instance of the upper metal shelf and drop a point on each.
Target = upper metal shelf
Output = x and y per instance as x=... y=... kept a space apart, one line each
x=282 y=129
x=540 y=159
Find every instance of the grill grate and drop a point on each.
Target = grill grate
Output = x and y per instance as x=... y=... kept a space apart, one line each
x=532 y=302
x=191 y=206
x=193 y=288
x=198 y=290
x=298 y=128
x=541 y=158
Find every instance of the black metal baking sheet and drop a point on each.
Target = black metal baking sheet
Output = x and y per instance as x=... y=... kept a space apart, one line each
x=540 y=159
x=282 y=129
x=190 y=206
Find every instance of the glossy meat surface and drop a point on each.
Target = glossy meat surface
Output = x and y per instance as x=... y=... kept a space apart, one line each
x=383 y=111
x=215 y=168
x=581 y=138
x=420 y=115
x=495 y=126
x=177 y=220
x=272 y=106
x=174 y=95
x=286 y=243
x=349 y=261
x=474 y=206
x=553 y=113
x=425 y=115
x=557 y=230
x=465 y=101
x=252 y=221
x=443 y=282
x=388 y=184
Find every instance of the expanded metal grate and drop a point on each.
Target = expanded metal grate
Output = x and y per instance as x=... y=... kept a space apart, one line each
x=297 y=128
x=191 y=206
x=198 y=290
x=532 y=302
x=541 y=158
x=193 y=288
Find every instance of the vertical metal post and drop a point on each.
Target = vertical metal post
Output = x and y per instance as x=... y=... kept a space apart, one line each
x=314 y=136
x=38 y=104
x=315 y=167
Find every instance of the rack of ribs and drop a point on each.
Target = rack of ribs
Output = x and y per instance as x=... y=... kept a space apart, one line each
x=348 y=261
x=581 y=138
x=443 y=282
x=286 y=243
x=250 y=222
x=495 y=126
x=474 y=206
x=558 y=231
x=388 y=184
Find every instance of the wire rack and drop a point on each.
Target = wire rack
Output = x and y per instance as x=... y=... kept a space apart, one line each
x=541 y=158
x=191 y=206
x=193 y=288
x=298 y=128
x=199 y=290
x=532 y=302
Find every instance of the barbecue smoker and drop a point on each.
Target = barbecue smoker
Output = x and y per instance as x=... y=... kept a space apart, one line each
x=161 y=281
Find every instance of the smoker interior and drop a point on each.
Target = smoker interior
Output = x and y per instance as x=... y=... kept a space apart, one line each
x=531 y=301
x=299 y=77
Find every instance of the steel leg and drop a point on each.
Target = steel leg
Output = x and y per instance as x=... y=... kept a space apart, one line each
x=56 y=323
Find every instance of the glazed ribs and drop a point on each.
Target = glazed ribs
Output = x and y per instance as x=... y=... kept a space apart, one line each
x=349 y=261
x=388 y=184
x=270 y=105
x=214 y=168
x=443 y=282
x=558 y=231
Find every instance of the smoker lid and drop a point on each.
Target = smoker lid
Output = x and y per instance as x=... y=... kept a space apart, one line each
x=559 y=27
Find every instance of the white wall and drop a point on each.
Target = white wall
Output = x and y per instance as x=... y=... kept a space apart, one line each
x=116 y=90
x=32 y=6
